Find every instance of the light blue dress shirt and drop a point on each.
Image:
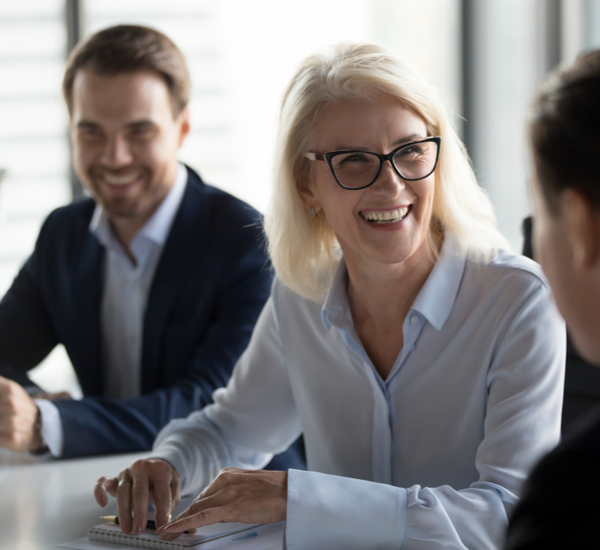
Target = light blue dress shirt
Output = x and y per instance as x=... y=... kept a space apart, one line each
x=124 y=297
x=125 y=290
x=432 y=457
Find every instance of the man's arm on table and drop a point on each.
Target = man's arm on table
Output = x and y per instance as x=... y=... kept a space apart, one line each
x=97 y=425
x=26 y=338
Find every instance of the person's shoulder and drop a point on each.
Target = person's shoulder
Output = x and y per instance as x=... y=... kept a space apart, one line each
x=507 y=260
x=509 y=268
x=70 y=216
x=584 y=433
x=291 y=303
x=221 y=202
x=559 y=505
x=573 y=464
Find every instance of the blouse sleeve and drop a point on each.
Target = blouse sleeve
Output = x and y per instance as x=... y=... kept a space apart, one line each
x=524 y=399
x=251 y=419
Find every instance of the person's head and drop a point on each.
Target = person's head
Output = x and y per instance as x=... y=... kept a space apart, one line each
x=360 y=96
x=127 y=89
x=565 y=140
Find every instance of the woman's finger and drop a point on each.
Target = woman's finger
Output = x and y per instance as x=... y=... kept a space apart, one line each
x=124 y=505
x=105 y=486
x=240 y=496
x=205 y=517
x=140 y=499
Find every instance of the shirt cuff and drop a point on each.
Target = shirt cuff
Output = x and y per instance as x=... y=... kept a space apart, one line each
x=326 y=511
x=52 y=429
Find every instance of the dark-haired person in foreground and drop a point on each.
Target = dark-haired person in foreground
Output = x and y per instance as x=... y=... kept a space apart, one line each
x=560 y=507
x=153 y=285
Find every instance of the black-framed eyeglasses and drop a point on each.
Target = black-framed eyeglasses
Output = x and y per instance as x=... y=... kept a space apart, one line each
x=358 y=169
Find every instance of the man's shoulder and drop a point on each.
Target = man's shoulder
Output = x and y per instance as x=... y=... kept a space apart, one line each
x=201 y=195
x=67 y=228
x=77 y=213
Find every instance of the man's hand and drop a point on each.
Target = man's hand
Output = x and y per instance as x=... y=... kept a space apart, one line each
x=144 y=480
x=235 y=496
x=18 y=415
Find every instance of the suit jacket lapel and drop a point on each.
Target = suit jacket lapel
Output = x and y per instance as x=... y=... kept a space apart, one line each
x=86 y=329
x=187 y=237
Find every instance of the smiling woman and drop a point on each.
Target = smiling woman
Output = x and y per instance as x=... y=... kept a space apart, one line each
x=422 y=362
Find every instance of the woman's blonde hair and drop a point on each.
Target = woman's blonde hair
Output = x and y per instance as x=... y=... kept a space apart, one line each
x=304 y=250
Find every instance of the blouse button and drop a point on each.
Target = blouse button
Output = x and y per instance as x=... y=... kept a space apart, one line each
x=414 y=320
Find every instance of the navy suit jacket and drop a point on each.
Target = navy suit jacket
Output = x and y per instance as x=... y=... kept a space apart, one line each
x=210 y=285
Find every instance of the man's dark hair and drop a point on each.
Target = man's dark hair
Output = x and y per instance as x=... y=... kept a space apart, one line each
x=565 y=131
x=131 y=49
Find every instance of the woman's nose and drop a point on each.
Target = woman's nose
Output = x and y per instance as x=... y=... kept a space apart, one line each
x=388 y=181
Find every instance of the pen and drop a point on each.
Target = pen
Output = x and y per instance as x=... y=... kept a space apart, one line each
x=150 y=525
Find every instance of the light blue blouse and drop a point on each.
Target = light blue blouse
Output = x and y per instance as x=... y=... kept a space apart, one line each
x=432 y=457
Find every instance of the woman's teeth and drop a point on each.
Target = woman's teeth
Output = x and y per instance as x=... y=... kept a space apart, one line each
x=389 y=216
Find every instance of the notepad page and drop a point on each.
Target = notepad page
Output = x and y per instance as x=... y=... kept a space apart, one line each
x=149 y=539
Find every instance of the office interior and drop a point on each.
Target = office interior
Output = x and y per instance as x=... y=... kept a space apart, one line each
x=486 y=57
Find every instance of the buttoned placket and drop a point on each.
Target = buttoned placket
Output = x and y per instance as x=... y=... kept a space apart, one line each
x=382 y=390
x=132 y=297
x=133 y=289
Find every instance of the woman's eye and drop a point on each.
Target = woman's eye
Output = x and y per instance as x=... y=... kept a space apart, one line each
x=413 y=150
x=353 y=158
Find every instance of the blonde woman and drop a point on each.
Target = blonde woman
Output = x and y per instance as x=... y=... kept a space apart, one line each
x=421 y=360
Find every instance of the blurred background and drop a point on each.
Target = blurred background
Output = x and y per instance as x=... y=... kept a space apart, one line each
x=486 y=57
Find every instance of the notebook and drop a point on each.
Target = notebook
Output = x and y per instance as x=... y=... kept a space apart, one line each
x=111 y=533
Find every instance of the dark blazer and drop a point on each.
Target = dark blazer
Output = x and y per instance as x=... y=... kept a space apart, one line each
x=210 y=285
x=560 y=505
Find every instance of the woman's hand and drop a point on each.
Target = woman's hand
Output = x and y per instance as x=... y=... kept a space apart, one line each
x=153 y=479
x=235 y=496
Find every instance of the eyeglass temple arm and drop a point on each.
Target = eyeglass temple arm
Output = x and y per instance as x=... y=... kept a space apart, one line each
x=314 y=156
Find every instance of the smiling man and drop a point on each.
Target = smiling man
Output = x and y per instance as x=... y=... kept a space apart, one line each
x=153 y=284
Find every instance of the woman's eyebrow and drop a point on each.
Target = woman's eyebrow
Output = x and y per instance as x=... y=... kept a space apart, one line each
x=409 y=138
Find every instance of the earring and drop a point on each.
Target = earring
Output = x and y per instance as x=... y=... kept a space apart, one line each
x=312 y=213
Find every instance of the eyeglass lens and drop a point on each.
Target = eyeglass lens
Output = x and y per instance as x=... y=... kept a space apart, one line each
x=356 y=169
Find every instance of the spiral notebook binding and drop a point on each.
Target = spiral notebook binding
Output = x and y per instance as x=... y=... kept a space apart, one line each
x=117 y=537
x=112 y=533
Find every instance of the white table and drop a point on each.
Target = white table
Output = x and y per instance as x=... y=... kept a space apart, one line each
x=45 y=502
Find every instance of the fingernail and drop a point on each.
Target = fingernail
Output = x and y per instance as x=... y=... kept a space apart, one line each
x=138 y=528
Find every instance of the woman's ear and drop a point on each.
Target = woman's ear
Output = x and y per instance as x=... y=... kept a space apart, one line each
x=306 y=192
x=582 y=224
